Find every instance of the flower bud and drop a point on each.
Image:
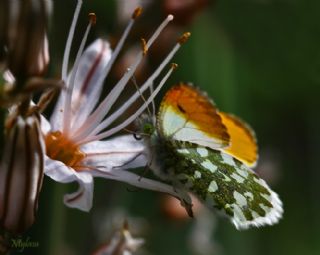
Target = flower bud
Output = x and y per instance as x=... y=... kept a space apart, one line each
x=23 y=39
x=21 y=174
x=122 y=243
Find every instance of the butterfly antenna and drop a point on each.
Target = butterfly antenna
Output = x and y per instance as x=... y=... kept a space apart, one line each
x=134 y=81
x=136 y=135
x=153 y=107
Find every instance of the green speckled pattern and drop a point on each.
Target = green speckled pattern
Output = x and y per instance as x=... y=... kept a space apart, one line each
x=219 y=180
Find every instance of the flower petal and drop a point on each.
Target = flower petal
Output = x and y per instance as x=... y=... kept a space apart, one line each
x=87 y=89
x=45 y=125
x=146 y=183
x=85 y=94
x=56 y=119
x=59 y=172
x=136 y=180
x=121 y=151
x=82 y=198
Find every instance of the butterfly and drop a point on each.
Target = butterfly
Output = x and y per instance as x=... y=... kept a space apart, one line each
x=211 y=154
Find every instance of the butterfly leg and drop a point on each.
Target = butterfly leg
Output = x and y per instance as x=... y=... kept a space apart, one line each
x=184 y=197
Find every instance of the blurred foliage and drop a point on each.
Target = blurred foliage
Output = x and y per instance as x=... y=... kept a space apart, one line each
x=259 y=59
x=2 y=117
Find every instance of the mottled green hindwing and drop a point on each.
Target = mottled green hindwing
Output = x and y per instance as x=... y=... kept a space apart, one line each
x=224 y=183
x=192 y=148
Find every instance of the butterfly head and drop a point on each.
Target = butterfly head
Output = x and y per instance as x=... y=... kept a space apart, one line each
x=145 y=126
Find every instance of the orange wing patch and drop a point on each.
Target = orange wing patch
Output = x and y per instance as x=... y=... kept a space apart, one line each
x=243 y=141
x=199 y=114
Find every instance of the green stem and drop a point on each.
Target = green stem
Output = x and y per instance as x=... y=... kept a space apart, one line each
x=57 y=221
x=2 y=119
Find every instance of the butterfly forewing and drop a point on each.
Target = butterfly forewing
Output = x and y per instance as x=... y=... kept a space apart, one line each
x=243 y=145
x=224 y=183
x=188 y=115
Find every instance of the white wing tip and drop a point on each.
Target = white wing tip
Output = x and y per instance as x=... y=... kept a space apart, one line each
x=271 y=218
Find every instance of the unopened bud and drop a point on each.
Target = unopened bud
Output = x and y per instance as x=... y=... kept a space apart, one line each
x=21 y=174
x=23 y=39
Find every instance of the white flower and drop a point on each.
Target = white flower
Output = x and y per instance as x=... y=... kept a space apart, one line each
x=122 y=243
x=76 y=149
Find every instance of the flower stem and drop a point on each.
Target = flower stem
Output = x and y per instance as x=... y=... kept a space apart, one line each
x=57 y=221
x=2 y=119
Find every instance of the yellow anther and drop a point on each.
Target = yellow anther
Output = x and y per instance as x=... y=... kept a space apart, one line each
x=174 y=66
x=137 y=12
x=184 y=37
x=92 y=18
x=144 y=46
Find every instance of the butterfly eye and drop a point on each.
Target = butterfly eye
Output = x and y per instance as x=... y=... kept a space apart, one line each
x=148 y=129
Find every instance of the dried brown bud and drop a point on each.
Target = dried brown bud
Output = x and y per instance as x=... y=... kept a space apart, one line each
x=21 y=174
x=23 y=39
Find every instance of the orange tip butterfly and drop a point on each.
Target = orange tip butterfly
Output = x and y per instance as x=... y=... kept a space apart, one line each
x=209 y=153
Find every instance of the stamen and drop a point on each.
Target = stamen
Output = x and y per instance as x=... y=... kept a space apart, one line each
x=184 y=38
x=108 y=121
x=135 y=115
x=160 y=28
x=68 y=96
x=117 y=50
x=174 y=66
x=62 y=149
x=137 y=12
x=107 y=103
x=93 y=18
x=144 y=46
x=66 y=54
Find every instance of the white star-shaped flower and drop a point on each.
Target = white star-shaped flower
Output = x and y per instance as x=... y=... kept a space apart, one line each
x=75 y=136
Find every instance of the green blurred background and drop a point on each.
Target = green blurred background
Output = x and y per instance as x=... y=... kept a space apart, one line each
x=259 y=59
